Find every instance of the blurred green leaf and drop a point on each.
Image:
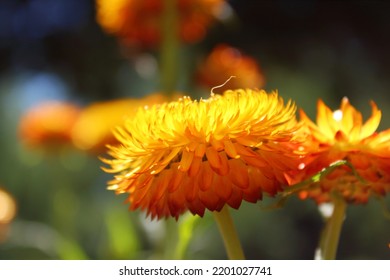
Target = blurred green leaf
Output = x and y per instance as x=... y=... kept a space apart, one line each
x=67 y=249
x=123 y=241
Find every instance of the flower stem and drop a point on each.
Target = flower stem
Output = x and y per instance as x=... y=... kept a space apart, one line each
x=169 y=48
x=171 y=238
x=331 y=234
x=229 y=234
x=186 y=231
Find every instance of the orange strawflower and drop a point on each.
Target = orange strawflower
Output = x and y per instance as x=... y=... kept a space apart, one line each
x=342 y=135
x=93 y=129
x=225 y=61
x=198 y=155
x=49 y=123
x=137 y=22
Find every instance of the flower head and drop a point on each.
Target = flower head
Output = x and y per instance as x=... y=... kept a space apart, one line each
x=197 y=155
x=342 y=135
x=225 y=61
x=93 y=128
x=138 y=21
x=49 y=123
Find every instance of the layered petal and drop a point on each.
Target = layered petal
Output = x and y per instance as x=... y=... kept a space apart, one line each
x=198 y=155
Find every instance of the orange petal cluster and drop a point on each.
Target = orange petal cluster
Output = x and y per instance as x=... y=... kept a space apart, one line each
x=137 y=22
x=342 y=135
x=49 y=123
x=225 y=61
x=198 y=155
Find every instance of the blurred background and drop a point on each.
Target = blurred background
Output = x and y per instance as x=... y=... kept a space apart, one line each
x=53 y=198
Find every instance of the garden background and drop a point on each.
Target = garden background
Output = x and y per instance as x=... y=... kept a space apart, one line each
x=55 y=49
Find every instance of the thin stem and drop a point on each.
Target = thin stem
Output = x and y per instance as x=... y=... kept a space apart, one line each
x=186 y=230
x=169 y=47
x=330 y=237
x=171 y=237
x=229 y=234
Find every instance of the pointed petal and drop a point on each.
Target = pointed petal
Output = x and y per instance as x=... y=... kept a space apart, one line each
x=186 y=160
x=371 y=125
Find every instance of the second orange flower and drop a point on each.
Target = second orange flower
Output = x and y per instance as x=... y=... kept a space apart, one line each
x=342 y=135
x=137 y=22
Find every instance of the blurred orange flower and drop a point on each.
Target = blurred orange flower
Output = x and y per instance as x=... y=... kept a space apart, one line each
x=342 y=135
x=137 y=22
x=48 y=123
x=197 y=155
x=225 y=61
x=93 y=129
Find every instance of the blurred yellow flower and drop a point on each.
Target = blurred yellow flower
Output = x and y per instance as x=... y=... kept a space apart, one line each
x=137 y=22
x=7 y=207
x=93 y=129
x=197 y=155
x=48 y=123
x=7 y=213
x=225 y=61
x=342 y=135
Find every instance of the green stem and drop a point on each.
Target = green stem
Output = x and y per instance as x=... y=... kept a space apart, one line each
x=331 y=234
x=169 y=47
x=229 y=234
x=186 y=230
x=171 y=237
